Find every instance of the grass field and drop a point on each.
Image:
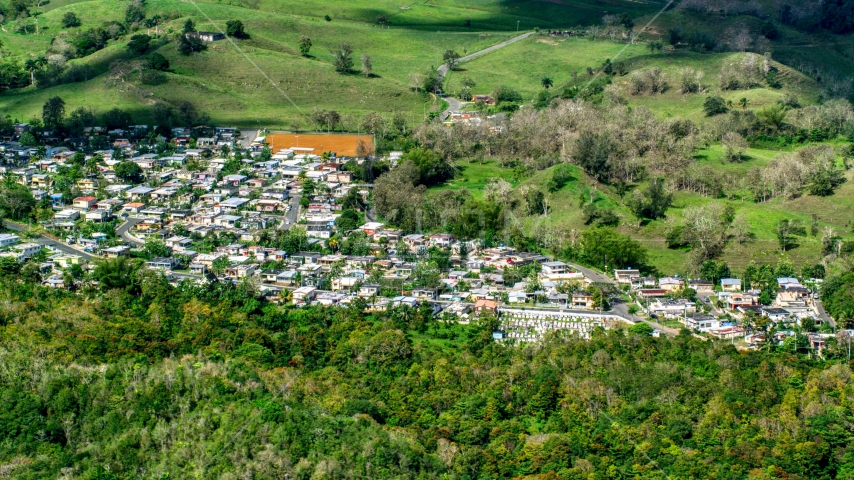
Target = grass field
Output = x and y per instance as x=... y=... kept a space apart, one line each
x=523 y=65
x=225 y=83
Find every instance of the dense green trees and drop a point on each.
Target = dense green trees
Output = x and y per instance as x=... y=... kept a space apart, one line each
x=53 y=113
x=235 y=28
x=139 y=44
x=146 y=374
x=70 y=20
x=129 y=171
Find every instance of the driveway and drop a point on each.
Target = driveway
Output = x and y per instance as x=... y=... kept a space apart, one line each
x=453 y=103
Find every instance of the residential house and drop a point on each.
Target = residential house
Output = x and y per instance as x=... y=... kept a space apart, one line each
x=672 y=308
x=731 y=284
x=371 y=228
x=66 y=215
x=114 y=252
x=775 y=314
x=140 y=193
x=97 y=216
x=424 y=293
x=582 y=300
x=703 y=287
x=163 y=263
x=625 y=276
x=670 y=284
x=703 y=323
x=304 y=295
x=486 y=306
x=738 y=299
x=84 y=203
x=369 y=290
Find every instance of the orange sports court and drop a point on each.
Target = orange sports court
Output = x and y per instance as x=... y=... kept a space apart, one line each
x=342 y=145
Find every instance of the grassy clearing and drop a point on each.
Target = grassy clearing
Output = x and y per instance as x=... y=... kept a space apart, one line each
x=523 y=64
x=474 y=175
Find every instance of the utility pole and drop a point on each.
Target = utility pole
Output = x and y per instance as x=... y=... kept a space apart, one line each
x=517 y=26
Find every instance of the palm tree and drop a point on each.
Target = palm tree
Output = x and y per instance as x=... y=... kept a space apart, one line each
x=33 y=65
x=729 y=104
x=743 y=102
x=332 y=244
x=546 y=82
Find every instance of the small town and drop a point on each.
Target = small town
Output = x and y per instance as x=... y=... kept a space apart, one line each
x=436 y=240
x=209 y=209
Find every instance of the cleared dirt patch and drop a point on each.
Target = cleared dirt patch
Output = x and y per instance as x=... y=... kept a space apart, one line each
x=343 y=145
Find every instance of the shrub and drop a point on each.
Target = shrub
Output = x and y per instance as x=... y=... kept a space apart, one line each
x=70 y=20
x=714 y=106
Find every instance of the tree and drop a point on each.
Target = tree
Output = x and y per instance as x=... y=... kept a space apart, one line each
x=20 y=8
x=27 y=139
x=735 y=145
x=16 y=201
x=653 y=203
x=367 y=65
x=773 y=116
x=825 y=179
x=129 y=171
x=235 y=28
x=706 y=230
x=605 y=244
x=342 y=58
x=641 y=329
x=347 y=221
x=189 y=26
x=187 y=115
x=743 y=102
x=506 y=94
x=189 y=44
x=70 y=20
x=116 y=118
x=139 y=44
x=157 y=61
x=80 y=119
x=593 y=152
x=655 y=46
x=304 y=45
x=546 y=82
x=450 y=58
x=135 y=12
x=714 y=106
x=787 y=230
x=53 y=113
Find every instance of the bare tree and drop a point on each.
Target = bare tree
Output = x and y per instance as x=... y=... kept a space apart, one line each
x=367 y=65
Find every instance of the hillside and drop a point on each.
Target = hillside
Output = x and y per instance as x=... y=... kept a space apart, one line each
x=232 y=87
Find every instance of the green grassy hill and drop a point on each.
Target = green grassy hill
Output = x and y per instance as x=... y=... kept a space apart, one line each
x=225 y=83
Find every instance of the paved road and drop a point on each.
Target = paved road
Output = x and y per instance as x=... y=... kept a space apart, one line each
x=42 y=240
x=453 y=103
x=248 y=136
x=593 y=275
x=293 y=214
x=122 y=231
x=825 y=318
